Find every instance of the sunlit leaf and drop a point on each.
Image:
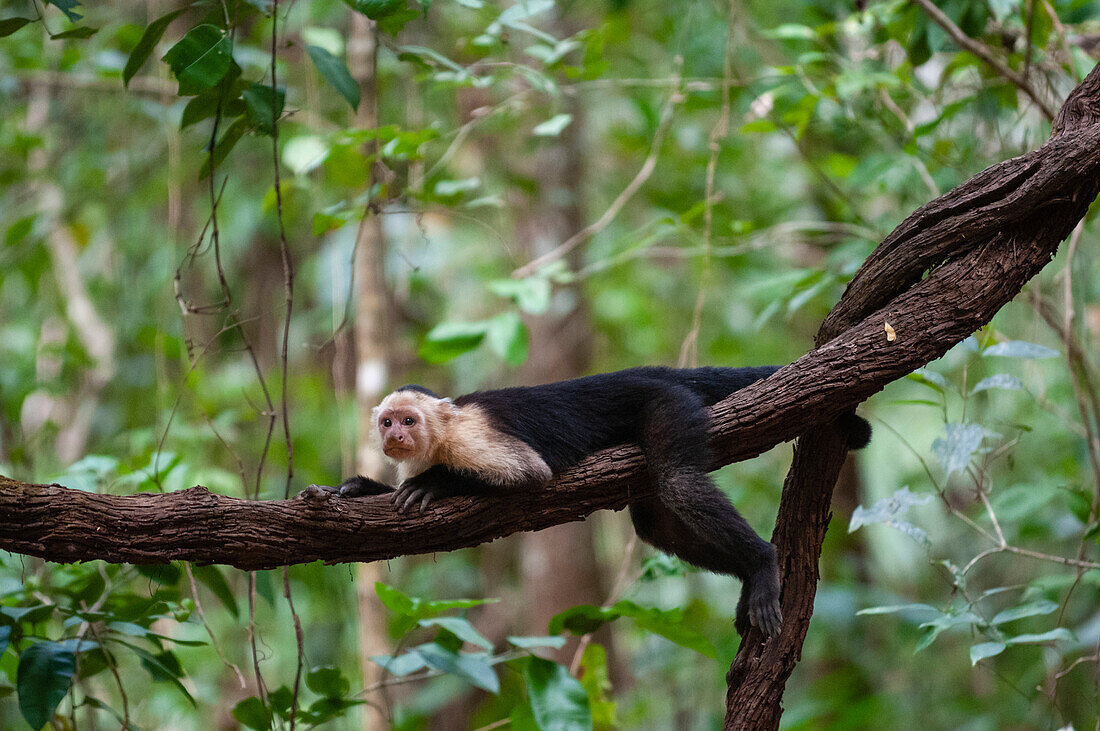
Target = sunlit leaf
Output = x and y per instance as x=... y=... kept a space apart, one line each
x=984 y=650
x=999 y=380
x=448 y=340
x=958 y=444
x=472 y=668
x=553 y=126
x=1031 y=609
x=527 y=643
x=1020 y=349
x=508 y=337
x=460 y=628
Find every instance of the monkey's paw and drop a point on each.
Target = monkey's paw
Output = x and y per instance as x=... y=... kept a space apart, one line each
x=408 y=494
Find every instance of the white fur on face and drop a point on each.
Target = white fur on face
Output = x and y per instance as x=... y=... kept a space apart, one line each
x=463 y=439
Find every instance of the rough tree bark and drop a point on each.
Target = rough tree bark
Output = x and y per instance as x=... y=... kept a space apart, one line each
x=940 y=275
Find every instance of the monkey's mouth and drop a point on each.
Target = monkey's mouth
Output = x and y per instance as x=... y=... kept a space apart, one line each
x=397 y=451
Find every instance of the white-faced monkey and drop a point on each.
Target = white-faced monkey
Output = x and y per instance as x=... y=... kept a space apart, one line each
x=489 y=440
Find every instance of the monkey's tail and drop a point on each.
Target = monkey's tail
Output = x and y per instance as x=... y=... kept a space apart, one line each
x=857 y=428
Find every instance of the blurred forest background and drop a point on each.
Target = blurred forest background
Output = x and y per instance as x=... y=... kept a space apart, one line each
x=224 y=238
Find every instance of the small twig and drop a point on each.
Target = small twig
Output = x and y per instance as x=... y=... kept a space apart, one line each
x=689 y=350
x=206 y=625
x=984 y=53
x=675 y=96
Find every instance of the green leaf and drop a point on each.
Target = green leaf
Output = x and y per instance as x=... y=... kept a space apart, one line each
x=957 y=445
x=81 y=32
x=420 y=608
x=553 y=126
x=68 y=7
x=400 y=665
x=460 y=628
x=597 y=685
x=145 y=45
x=375 y=9
x=328 y=682
x=44 y=676
x=558 y=700
x=999 y=380
x=225 y=145
x=581 y=619
x=335 y=73
x=30 y=615
x=983 y=650
x=10 y=25
x=214 y=580
x=168 y=574
x=667 y=624
x=886 y=509
x=448 y=340
x=1058 y=633
x=1020 y=349
x=472 y=668
x=531 y=295
x=252 y=713
x=201 y=59
x=163 y=666
x=265 y=105
x=1031 y=609
x=508 y=338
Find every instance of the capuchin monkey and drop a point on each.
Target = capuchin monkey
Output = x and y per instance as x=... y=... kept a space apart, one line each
x=493 y=440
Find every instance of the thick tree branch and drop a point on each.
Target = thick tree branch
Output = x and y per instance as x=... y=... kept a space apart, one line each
x=982 y=242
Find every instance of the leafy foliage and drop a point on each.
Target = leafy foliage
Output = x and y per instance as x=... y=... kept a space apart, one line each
x=842 y=122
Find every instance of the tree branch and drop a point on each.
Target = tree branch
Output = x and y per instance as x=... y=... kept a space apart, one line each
x=942 y=273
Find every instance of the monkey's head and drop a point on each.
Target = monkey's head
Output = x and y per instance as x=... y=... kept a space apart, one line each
x=410 y=422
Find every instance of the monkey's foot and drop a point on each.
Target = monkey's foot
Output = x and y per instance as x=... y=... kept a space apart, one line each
x=318 y=492
x=759 y=603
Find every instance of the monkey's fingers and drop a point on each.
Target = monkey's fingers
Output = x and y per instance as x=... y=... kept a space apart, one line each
x=409 y=497
x=426 y=500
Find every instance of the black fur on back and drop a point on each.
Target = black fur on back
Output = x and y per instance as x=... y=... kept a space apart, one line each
x=567 y=420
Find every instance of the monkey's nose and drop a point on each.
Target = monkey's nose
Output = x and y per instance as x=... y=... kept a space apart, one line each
x=400 y=438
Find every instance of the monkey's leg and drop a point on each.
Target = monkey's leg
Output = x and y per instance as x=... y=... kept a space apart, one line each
x=693 y=519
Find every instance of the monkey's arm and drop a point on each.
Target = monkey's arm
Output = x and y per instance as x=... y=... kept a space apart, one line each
x=352 y=487
x=436 y=482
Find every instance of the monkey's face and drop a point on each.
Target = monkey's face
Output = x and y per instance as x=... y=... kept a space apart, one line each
x=401 y=429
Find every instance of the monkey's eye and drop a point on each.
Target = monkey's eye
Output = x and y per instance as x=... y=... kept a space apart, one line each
x=387 y=423
x=409 y=421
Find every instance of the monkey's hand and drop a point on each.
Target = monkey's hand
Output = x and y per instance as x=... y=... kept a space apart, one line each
x=434 y=482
